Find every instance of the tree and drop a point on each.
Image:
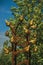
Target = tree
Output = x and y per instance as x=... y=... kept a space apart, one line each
x=5 y=56
x=27 y=28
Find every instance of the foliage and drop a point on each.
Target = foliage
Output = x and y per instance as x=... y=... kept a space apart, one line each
x=5 y=59
x=28 y=20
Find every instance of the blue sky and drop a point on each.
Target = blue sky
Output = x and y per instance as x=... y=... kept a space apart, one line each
x=5 y=13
